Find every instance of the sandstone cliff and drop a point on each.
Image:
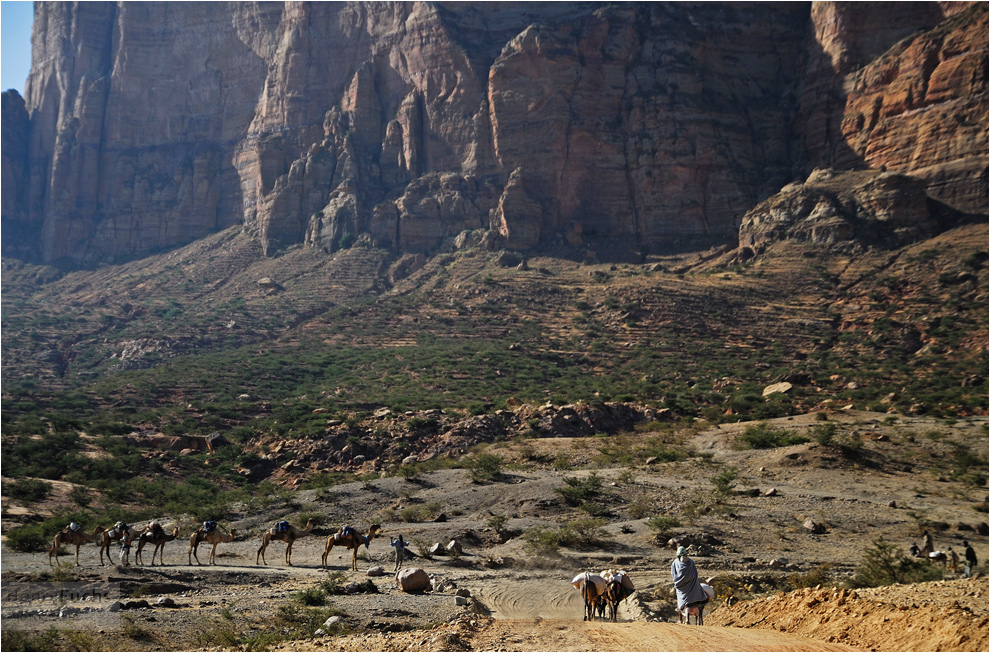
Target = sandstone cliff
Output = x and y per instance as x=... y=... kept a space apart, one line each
x=153 y=124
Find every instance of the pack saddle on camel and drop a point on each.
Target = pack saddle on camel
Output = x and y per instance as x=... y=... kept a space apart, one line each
x=212 y=534
x=157 y=536
x=108 y=537
x=283 y=531
x=72 y=535
x=352 y=539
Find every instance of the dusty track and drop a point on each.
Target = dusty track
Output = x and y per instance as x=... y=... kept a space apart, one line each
x=571 y=635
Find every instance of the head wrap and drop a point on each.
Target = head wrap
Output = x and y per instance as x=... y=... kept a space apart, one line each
x=681 y=551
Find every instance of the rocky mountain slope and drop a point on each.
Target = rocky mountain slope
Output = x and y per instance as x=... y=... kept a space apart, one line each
x=149 y=125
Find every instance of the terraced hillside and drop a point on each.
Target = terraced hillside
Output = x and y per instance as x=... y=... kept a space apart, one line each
x=698 y=333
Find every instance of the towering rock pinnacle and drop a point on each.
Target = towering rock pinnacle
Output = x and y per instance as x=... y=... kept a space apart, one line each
x=149 y=125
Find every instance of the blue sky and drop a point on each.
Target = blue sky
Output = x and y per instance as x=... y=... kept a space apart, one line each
x=15 y=43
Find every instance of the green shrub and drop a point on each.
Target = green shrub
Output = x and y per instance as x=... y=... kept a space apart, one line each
x=725 y=481
x=823 y=434
x=662 y=523
x=587 y=533
x=28 y=539
x=28 y=490
x=577 y=491
x=640 y=507
x=485 y=467
x=820 y=575
x=764 y=436
x=884 y=564
x=497 y=523
x=311 y=596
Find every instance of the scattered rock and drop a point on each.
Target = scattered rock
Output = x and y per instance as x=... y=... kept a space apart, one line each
x=814 y=527
x=772 y=492
x=413 y=580
x=376 y=571
x=775 y=388
x=461 y=600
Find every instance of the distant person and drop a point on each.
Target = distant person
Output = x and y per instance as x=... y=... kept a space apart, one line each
x=929 y=548
x=685 y=576
x=970 y=556
x=400 y=550
x=953 y=561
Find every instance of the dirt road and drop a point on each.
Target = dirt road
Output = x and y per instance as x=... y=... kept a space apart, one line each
x=572 y=635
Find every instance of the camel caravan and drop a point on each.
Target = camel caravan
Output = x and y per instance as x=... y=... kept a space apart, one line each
x=211 y=532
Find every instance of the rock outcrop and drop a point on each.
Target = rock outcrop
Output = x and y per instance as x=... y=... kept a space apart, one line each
x=878 y=208
x=150 y=125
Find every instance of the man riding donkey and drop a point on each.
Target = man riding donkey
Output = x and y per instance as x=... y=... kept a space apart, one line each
x=691 y=596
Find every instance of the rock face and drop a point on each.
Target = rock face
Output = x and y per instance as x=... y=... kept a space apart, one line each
x=879 y=208
x=149 y=125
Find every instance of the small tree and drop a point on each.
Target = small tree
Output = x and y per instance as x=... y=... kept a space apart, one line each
x=486 y=467
x=884 y=564
x=497 y=523
x=725 y=481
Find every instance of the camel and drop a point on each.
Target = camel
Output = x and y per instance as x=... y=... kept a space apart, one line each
x=127 y=539
x=109 y=536
x=214 y=537
x=289 y=535
x=115 y=534
x=68 y=536
x=159 y=538
x=353 y=541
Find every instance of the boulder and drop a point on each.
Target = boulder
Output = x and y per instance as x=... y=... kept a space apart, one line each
x=814 y=527
x=455 y=547
x=438 y=550
x=413 y=580
x=777 y=388
x=214 y=441
x=376 y=571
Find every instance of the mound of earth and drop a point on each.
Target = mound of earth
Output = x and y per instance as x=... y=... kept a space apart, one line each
x=937 y=616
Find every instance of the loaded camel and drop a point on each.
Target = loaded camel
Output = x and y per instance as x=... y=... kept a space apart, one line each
x=68 y=536
x=288 y=535
x=119 y=532
x=108 y=537
x=213 y=537
x=155 y=535
x=352 y=539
